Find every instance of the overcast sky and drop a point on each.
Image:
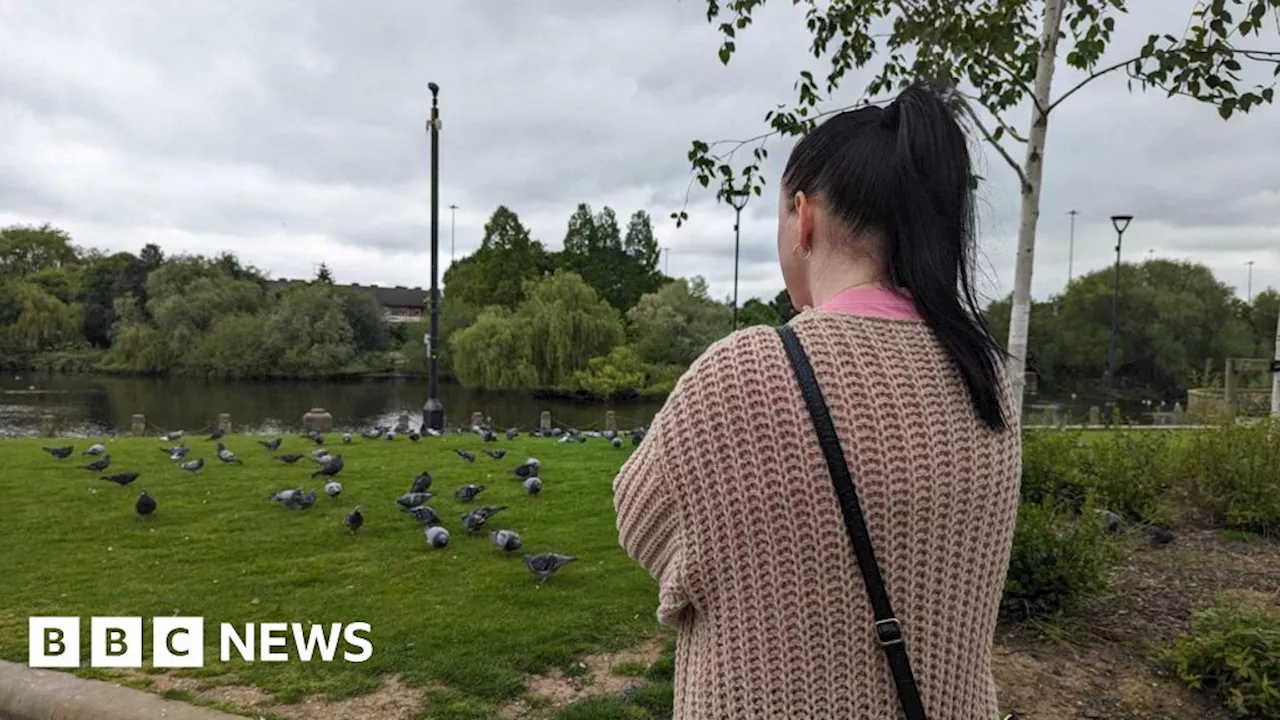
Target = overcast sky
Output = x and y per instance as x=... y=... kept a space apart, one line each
x=291 y=132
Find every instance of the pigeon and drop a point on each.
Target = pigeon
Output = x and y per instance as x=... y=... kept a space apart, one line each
x=145 y=505
x=437 y=537
x=582 y=438
x=432 y=432
x=371 y=434
x=609 y=434
x=98 y=465
x=475 y=520
x=466 y=455
x=288 y=459
x=489 y=436
x=318 y=439
x=346 y=438
x=177 y=452
x=414 y=436
x=271 y=445
x=300 y=501
x=61 y=453
x=391 y=435
x=467 y=493
x=285 y=496
x=333 y=488
x=95 y=449
x=227 y=456
x=1159 y=536
x=533 y=486
x=122 y=479
x=413 y=499
x=1111 y=521
x=192 y=466
x=218 y=434
x=526 y=470
x=422 y=483
x=544 y=565
x=495 y=454
x=512 y=433
x=506 y=540
x=354 y=520
x=322 y=460
x=565 y=439
x=331 y=468
x=424 y=514
x=616 y=442
x=318 y=453
x=172 y=436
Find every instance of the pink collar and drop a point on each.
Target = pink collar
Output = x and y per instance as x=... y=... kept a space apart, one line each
x=873 y=302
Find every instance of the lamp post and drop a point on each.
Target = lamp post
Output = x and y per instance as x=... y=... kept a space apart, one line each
x=1249 y=293
x=453 y=226
x=1120 y=223
x=738 y=199
x=1071 y=245
x=433 y=410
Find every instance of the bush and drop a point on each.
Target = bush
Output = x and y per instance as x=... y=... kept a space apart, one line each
x=1233 y=652
x=1233 y=476
x=1051 y=468
x=1131 y=473
x=1058 y=559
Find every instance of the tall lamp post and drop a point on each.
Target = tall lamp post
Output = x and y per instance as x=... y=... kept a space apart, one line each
x=1120 y=223
x=1071 y=246
x=1249 y=293
x=738 y=199
x=453 y=226
x=433 y=410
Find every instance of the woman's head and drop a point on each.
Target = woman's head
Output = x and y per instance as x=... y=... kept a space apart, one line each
x=886 y=194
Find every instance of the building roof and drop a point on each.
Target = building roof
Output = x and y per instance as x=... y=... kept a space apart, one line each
x=398 y=296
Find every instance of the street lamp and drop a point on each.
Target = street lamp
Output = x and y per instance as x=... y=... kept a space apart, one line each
x=1249 y=293
x=453 y=226
x=1071 y=247
x=1120 y=223
x=738 y=199
x=433 y=410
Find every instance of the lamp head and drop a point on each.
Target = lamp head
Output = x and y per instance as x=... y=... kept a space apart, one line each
x=1120 y=222
x=435 y=90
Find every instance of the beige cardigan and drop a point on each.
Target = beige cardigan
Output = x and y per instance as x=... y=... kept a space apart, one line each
x=728 y=504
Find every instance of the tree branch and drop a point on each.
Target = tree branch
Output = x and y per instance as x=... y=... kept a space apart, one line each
x=1008 y=129
x=1022 y=175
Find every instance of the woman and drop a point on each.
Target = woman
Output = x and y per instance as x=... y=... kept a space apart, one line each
x=729 y=503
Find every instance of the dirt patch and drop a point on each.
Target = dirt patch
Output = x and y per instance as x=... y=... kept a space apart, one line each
x=592 y=676
x=393 y=701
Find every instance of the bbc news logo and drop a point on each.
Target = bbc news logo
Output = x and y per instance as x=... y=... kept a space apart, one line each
x=178 y=642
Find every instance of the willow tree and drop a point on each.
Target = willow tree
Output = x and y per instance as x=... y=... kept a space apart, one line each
x=568 y=324
x=493 y=353
x=1001 y=56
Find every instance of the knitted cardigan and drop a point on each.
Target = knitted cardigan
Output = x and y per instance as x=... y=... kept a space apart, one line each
x=729 y=506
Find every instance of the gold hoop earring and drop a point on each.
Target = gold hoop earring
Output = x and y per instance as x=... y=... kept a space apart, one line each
x=808 y=251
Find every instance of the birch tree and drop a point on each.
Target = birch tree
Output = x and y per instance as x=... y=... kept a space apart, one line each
x=1000 y=55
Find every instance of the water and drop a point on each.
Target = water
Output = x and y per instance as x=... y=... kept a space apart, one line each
x=90 y=405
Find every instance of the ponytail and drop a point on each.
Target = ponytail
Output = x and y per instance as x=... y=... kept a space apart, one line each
x=904 y=171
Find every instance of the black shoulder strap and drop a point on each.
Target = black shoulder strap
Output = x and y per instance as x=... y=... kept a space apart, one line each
x=888 y=629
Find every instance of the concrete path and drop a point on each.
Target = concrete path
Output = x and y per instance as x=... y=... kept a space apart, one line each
x=29 y=694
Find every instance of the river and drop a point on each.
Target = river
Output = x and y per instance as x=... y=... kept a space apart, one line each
x=93 y=405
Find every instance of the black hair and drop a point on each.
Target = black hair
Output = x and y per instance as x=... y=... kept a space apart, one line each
x=903 y=172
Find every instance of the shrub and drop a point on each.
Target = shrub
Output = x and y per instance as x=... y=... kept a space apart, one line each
x=1131 y=473
x=1233 y=652
x=1051 y=468
x=1058 y=559
x=1233 y=476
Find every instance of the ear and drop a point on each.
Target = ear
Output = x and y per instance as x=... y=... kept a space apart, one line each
x=804 y=209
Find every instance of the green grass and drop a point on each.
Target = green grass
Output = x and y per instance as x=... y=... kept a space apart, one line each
x=466 y=617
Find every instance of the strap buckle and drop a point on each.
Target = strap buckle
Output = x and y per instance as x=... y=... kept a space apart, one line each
x=889 y=632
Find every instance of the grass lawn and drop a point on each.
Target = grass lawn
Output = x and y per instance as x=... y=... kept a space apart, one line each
x=465 y=617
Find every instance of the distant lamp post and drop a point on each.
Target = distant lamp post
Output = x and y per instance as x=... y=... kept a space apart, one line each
x=433 y=410
x=738 y=199
x=1120 y=223
x=1071 y=246
x=453 y=226
x=1249 y=293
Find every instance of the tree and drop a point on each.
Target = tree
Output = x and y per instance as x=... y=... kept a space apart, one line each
x=674 y=325
x=311 y=331
x=755 y=312
x=568 y=324
x=44 y=322
x=640 y=243
x=99 y=284
x=620 y=270
x=367 y=318
x=1000 y=54
x=1262 y=317
x=324 y=275
x=494 y=353
x=619 y=372
x=496 y=273
x=26 y=249
x=782 y=305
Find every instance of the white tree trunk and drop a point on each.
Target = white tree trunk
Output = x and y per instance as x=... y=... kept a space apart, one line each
x=1275 y=379
x=1020 y=317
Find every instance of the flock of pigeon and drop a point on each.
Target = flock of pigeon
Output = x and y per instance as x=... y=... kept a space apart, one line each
x=413 y=503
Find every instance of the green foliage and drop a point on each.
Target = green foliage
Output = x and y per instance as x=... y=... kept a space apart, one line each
x=619 y=270
x=324 y=274
x=496 y=273
x=1233 y=652
x=674 y=325
x=365 y=315
x=754 y=312
x=1051 y=465
x=1058 y=560
x=26 y=250
x=1233 y=475
x=619 y=372
x=1132 y=472
x=311 y=330
x=494 y=353
x=44 y=322
x=238 y=347
x=568 y=325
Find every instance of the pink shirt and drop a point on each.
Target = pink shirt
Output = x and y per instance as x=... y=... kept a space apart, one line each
x=873 y=302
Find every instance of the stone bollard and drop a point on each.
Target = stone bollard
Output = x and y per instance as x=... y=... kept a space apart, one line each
x=46 y=425
x=544 y=422
x=1095 y=415
x=1179 y=415
x=611 y=420
x=317 y=419
x=224 y=422
x=138 y=425
x=477 y=419
x=402 y=425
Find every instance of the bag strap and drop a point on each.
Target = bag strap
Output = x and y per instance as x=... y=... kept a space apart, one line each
x=888 y=629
